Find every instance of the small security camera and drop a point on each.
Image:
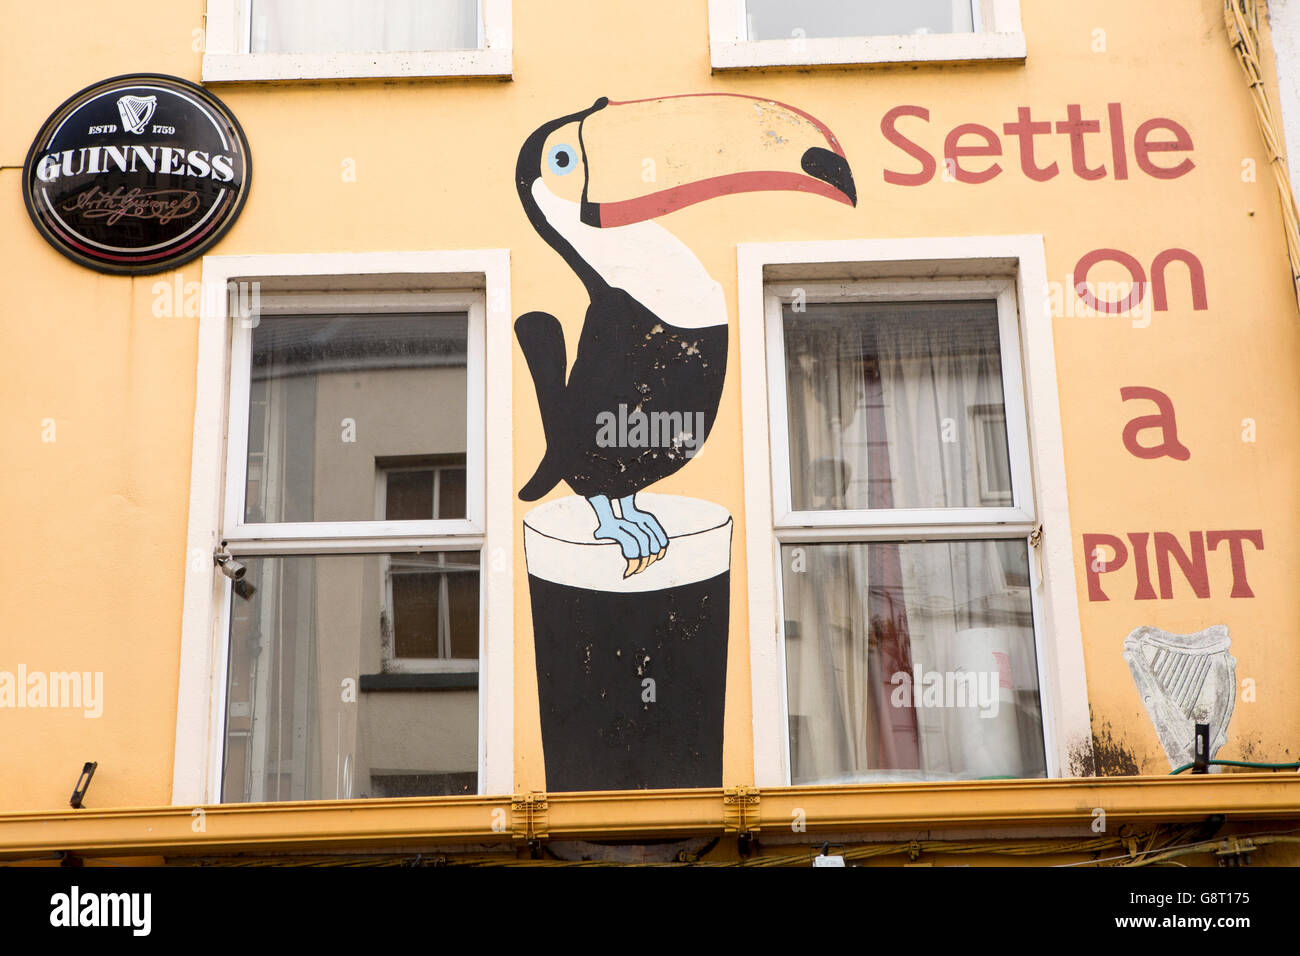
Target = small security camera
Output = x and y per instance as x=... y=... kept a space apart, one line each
x=229 y=566
x=235 y=571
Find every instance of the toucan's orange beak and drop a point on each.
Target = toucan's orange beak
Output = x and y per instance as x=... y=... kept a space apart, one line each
x=647 y=158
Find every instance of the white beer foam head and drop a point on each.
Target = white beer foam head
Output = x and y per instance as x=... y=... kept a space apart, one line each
x=559 y=547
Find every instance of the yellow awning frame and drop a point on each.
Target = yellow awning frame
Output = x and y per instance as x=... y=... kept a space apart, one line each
x=647 y=814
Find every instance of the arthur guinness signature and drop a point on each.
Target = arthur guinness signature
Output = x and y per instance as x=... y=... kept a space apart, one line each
x=164 y=205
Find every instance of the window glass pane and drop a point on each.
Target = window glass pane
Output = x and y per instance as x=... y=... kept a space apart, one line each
x=434 y=605
x=422 y=784
x=301 y=723
x=409 y=495
x=896 y=405
x=417 y=600
x=363 y=26
x=462 y=613
x=911 y=661
x=332 y=394
x=782 y=19
x=451 y=493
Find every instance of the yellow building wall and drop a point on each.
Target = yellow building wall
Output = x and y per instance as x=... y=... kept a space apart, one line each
x=92 y=549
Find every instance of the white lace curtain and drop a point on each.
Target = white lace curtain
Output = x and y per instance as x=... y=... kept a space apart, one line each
x=363 y=26
x=781 y=19
x=900 y=406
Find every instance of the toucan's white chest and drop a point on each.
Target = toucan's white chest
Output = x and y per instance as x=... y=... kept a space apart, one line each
x=645 y=260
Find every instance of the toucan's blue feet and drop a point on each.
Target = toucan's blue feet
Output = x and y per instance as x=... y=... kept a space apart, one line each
x=637 y=532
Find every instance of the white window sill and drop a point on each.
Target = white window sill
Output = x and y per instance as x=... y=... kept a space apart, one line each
x=430 y=665
x=864 y=51
x=239 y=67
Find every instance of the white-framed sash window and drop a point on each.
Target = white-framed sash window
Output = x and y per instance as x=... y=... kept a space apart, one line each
x=340 y=39
x=750 y=34
x=359 y=642
x=913 y=613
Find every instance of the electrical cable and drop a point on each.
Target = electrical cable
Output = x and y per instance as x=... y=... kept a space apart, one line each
x=1239 y=763
x=1242 y=20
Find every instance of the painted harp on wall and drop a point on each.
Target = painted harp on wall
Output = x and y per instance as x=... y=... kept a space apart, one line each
x=1184 y=680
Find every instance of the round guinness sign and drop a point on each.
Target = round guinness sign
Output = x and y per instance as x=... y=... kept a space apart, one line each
x=137 y=174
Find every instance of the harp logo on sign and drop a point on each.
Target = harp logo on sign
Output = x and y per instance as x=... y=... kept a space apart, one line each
x=137 y=174
x=135 y=111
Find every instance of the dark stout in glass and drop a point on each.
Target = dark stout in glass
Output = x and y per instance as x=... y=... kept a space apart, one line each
x=631 y=676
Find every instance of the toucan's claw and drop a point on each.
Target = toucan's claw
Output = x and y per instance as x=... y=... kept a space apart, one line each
x=638 y=533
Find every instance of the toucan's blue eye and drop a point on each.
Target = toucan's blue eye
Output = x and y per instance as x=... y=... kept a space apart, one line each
x=562 y=159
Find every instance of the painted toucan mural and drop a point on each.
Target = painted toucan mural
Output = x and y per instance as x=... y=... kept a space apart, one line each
x=630 y=594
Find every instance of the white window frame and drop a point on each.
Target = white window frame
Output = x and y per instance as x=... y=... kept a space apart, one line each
x=1009 y=268
x=998 y=36
x=912 y=522
x=227 y=57
x=475 y=281
x=306 y=537
x=981 y=417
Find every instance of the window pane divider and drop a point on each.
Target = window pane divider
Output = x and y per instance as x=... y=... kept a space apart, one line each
x=901 y=533
x=900 y=288
x=355 y=545
x=344 y=530
x=898 y=519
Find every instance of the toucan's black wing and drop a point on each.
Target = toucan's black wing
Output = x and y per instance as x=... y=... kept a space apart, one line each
x=542 y=340
x=632 y=363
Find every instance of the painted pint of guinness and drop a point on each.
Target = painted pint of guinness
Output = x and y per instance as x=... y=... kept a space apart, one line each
x=137 y=174
x=631 y=672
